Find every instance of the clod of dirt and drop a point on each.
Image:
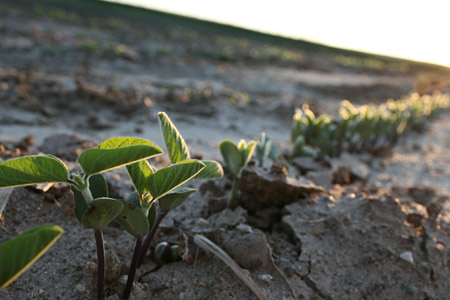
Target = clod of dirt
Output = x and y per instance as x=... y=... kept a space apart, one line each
x=321 y=178
x=65 y=145
x=10 y=150
x=229 y=218
x=354 y=166
x=307 y=164
x=422 y=194
x=250 y=251
x=267 y=188
x=97 y=122
x=342 y=176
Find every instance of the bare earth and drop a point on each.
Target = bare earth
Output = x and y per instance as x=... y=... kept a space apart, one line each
x=384 y=235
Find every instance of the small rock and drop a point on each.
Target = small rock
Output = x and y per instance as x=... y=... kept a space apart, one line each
x=407 y=256
x=267 y=278
x=216 y=205
x=123 y=279
x=244 y=228
x=229 y=218
x=80 y=288
x=65 y=145
x=414 y=219
x=411 y=289
x=306 y=164
x=422 y=194
x=342 y=175
x=320 y=178
x=202 y=222
x=255 y=245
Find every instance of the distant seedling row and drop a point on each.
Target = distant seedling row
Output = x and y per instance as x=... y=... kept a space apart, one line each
x=368 y=128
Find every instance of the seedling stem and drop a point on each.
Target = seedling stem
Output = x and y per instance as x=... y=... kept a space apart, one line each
x=132 y=271
x=149 y=237
x=100 y=264
x=234 y=191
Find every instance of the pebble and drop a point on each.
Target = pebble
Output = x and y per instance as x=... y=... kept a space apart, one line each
x=412 y=289
x=267 y=278
x=202 y=222
x=244 y=228
x=80 y=288
x=407 y=256
x=255 y=244
x=123 y=279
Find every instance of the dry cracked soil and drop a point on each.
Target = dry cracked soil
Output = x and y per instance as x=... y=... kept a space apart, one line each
x=70 y=78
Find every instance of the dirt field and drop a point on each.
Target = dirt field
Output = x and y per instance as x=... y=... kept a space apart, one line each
x=72 y=76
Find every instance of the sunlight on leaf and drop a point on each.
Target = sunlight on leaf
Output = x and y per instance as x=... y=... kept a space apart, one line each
x=19 y=253
x=34 y=169
x=167 y=179
x=116 y=152
x=175 y=144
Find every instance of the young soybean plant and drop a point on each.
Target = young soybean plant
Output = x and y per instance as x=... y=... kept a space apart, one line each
x=266 y=149
x=236 y=158
x=19 y=253
x=140 y=215
x=93 y=208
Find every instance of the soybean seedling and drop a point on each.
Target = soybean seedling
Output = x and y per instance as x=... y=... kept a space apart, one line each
x=236 y=157
x=19 y=253
x=93 y=208
x=266 y=149
x=160 y=188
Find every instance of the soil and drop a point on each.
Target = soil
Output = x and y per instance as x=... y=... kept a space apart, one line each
x=354 y=227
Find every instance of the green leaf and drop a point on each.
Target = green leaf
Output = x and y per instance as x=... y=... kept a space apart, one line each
x=167 y=179
x=19 y=253
x=133 y=219
x=32 y=170
x=116 y=152
x=175 y=144
x=175 y=198
x=134 y=199
x=139 y=173
x=231 y=156
x=212 y=170
x=101 y=212
x=247 y=153
x=98 y=188
x=152 y=214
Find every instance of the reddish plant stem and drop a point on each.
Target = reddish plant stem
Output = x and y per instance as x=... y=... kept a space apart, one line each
x=100 y=264
x=132 y=270
x=149 y=237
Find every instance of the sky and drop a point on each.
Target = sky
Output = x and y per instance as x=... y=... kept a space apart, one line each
x=417 y=30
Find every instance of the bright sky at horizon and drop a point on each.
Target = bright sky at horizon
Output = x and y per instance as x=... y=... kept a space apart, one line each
x=417 y=30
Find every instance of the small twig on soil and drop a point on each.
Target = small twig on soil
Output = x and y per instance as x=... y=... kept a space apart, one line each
x=209 y=246
x=283 y=275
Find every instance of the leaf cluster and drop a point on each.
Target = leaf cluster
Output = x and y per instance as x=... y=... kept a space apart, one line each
x=93 y=207
x=360 y=129
x=236 y=157
x=266 y=149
